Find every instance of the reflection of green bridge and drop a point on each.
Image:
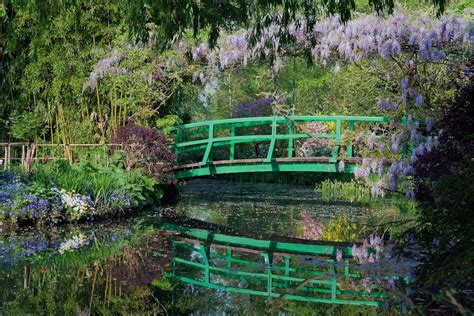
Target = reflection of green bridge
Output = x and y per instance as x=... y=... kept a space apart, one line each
x=204 y=142
x=302 y=271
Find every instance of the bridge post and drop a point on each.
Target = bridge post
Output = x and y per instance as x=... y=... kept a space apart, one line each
x=268 y=266
x=273 y=139
x=209 y=144
x=332 y=271
x=290 y=141
x=335 y=152
x=350 y=148
x=205 y=259
x=232 y=143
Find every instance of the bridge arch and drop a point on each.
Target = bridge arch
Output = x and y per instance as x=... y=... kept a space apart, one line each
x=202 y=139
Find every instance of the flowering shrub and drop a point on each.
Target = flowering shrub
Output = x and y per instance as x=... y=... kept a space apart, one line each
x=59 y=193
x=77 y=206
x=145 y=148
x=259 y=107
x=315 y=146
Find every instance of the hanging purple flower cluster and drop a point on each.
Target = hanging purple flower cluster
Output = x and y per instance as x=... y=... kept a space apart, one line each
x=108 y=66
x=401 y=41
x=372 y=250
x=387 y=105
x=259 y=107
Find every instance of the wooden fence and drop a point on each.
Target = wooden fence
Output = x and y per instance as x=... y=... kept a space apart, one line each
x=25 y=154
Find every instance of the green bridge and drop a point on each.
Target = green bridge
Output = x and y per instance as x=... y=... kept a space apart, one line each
x=279 y=268
x=212 y=147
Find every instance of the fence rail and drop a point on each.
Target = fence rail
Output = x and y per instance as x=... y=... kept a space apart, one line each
x=26 y=153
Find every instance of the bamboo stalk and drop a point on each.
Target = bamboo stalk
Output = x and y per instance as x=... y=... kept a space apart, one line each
x=124 y=113
x=9 y=157
x=50 y=119
x=5 y=160
x=99 y=109
x=111 y=112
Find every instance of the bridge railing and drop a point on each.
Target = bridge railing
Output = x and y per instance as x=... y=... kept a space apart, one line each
x=279 y=268
x=204 y=135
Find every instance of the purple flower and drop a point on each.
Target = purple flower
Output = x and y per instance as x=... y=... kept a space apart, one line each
x=338 y=255
x=419 y=99
x=370 y=141
x=341 y=166
x=410 y=195
x=394 y=148
x=377 y=189
x=390 y=48
x=362 y=172
x=254 y=108
x=429 y=124
x=404 y=83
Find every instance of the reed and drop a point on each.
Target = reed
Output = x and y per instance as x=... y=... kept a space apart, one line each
x=345 y=191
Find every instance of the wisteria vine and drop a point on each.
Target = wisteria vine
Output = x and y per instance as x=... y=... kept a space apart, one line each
x=408 y=51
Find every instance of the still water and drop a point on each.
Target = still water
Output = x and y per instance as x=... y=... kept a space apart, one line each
x=144 y=264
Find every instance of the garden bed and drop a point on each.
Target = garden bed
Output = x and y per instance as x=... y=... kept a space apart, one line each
x=56 y=193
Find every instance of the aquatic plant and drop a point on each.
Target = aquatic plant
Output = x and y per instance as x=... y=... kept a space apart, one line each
x=350 y=191
x=340 y=229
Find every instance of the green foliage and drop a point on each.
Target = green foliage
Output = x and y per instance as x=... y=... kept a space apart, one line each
x=56 y=192
x=28 y=126
x=167 y=122
x=101 y=180
x=166 y=21
x=163 y=284
x=47 y=56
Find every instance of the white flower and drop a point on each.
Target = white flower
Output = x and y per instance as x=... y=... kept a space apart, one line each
x=75 y=242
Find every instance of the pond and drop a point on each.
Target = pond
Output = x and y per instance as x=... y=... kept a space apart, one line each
x=232 y=247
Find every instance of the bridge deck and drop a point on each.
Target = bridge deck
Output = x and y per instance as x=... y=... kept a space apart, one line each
x=294 y=164
x=261 y=161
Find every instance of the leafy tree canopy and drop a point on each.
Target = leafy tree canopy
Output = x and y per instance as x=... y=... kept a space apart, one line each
x=173 y=17
x=164 y=20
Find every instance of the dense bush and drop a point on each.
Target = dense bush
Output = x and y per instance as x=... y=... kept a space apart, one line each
x=146 y=148
x=445 y=192
x=444 y=185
